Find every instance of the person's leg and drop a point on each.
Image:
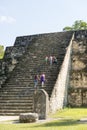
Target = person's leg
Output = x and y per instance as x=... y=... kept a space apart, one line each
x=42 y=83
x=50 y=62
x=35 y=83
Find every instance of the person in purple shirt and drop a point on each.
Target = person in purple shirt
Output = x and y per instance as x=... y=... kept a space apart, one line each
x=42 y=79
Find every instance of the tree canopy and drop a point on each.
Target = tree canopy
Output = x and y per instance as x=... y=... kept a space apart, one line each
x=78 y=25
x=1 y=51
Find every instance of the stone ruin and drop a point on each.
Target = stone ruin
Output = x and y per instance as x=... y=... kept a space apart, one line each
x=66 y=83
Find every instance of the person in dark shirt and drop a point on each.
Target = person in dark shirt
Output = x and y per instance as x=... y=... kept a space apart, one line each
x=36 y=79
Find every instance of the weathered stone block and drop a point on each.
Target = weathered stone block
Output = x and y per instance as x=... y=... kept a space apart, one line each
x=28 y=117
x=41 y=103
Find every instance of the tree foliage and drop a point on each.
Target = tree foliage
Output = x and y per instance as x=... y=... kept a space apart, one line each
x=1 y=51
x=78 y=25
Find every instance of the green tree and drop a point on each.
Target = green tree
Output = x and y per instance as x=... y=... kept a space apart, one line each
x=1 y=51
x=78 y=25
x=67 y=28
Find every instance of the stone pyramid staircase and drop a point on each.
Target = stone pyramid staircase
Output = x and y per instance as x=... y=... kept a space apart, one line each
x=16 y=94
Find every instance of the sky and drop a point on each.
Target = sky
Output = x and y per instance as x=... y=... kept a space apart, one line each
x=29 y=17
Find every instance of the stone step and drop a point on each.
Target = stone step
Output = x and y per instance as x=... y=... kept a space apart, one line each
x=23 y=92
x=16 y=101
x=20 y=82
x=31 y=77
x=16 y=96
x=16 y=106
x=12 y=97
x=21 y=75
x=29 y=84
x=14 y=90
x=14 y=112
x=12 y=87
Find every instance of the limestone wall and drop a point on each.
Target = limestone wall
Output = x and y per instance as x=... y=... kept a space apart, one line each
x=2 y=72
x=13 y=54
x=59 y=95
x=81 y=35
x=77 y=95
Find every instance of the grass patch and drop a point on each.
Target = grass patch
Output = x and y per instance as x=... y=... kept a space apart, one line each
x=68 y=121
x=72 y=113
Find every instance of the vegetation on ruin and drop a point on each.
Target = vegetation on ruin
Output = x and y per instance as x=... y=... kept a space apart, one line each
x=66 y=119
x=78 y=25
x=1 y=51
